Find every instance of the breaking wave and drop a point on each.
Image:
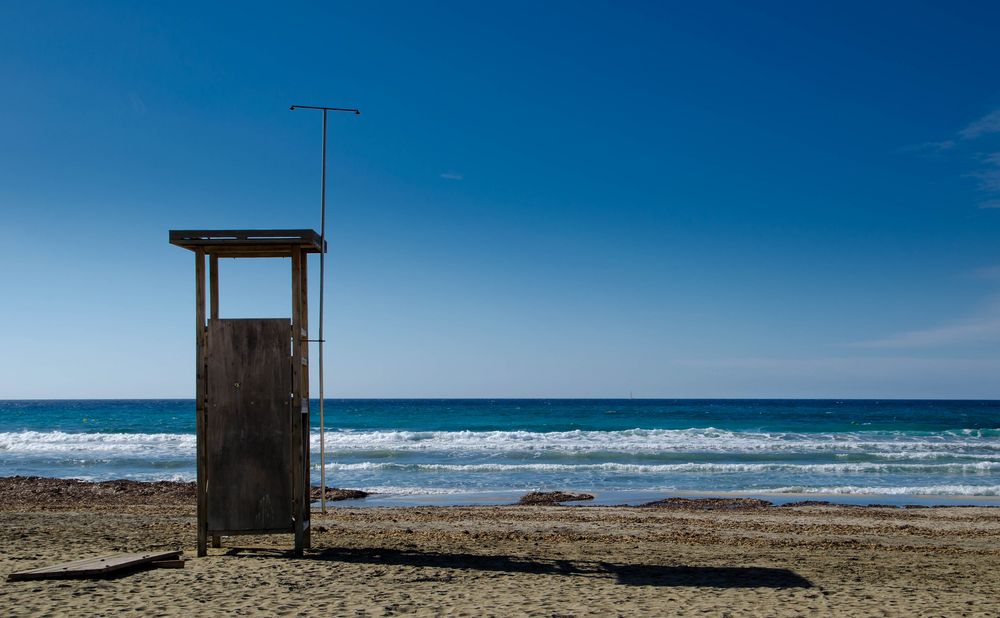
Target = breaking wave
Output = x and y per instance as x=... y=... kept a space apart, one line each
x=921 y=490
x=98 y=444
x=977 y=444
x=708 y=440
x=731 y=468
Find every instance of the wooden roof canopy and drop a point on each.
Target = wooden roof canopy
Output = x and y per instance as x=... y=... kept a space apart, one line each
x=248 y=243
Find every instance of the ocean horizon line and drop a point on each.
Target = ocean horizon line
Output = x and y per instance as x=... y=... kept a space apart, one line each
x=483 y=398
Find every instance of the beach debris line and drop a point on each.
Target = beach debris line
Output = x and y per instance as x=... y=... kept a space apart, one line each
x=100 y=566
x=542 y=498
x=35 y=491
x=808 y=503
x=17 y=491
x=335 y=493
x=710 y=504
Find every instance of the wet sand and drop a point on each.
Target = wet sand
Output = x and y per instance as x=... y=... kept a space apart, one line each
x=681 y=557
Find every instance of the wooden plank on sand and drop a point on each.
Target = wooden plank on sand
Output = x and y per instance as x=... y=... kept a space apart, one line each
x=92 y=567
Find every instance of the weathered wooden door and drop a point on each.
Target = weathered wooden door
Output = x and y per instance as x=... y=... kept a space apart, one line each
x=248 y=426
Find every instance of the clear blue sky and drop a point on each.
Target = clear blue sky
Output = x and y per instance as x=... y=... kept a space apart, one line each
x=540 y=199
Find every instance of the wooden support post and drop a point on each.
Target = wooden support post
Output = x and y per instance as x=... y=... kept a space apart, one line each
x=306 y=425
x=298 y=482
x=213 y=288
x=213 y=279
x=200 y=411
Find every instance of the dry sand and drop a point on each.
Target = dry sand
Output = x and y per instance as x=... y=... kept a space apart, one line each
x=678 y=558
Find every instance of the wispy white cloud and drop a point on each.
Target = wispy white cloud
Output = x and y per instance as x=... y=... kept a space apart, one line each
x=929 y=148
x=989 y=172
x=990 y=123
x=990 y=272
x=976 y=329
x=452 y=176
x=989 y=177
x=138 y=105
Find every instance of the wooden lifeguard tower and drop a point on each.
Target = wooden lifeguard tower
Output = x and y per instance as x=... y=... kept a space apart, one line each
x=252 y=395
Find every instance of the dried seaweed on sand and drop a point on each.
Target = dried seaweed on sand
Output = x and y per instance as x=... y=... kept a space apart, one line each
x=537 y=498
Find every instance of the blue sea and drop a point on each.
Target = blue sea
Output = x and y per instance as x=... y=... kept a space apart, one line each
x=872 y=449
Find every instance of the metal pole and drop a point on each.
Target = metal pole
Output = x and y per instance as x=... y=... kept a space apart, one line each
x=322 y=280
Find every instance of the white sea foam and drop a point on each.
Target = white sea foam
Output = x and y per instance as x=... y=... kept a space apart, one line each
x=98 y=444
x=633 y=441
x=923 y=490
x=727 y=468
x=423 y=491
x=956 y=459
x=844 y=490
x=179 y=477
x=653 y=441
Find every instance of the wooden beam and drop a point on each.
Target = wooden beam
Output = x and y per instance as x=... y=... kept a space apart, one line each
x=213 y=277
x=246 y=241
x=286 y=530
x=298 y=493
x=304 y=409
x=304 y=234
x=200 y=411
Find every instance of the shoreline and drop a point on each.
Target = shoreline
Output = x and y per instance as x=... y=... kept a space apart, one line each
x=51 y=491
x=628 y=497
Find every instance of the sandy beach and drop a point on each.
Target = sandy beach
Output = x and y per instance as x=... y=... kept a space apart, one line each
x=680 y=558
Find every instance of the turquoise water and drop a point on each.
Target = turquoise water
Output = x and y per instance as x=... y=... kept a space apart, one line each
x=445 y=447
